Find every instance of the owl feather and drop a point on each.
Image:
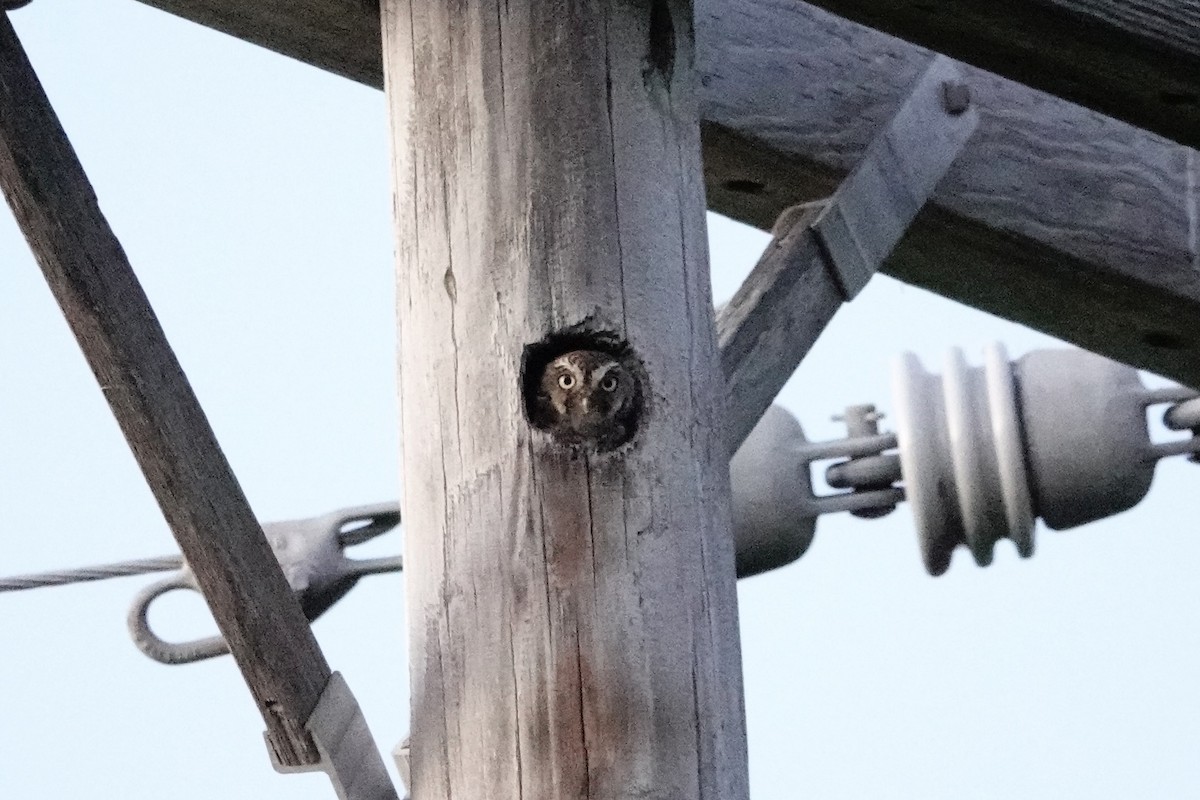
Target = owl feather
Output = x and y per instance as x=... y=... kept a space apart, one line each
x=587 y=396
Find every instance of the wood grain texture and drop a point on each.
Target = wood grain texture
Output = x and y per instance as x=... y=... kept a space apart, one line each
x=772 y=321
x=572 y=615
x=340 y=36
x=1055 y=216
x=111 y=317
x=1135 y=60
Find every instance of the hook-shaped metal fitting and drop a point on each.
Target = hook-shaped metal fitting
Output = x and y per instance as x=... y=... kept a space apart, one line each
x=159 y=649
x=311 y=554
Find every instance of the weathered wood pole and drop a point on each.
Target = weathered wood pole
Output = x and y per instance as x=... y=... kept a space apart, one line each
x=572 y=612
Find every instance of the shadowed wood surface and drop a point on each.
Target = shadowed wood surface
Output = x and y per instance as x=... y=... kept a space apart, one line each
x=140 y=377
x=572 y=614
x=341 y=36
x=1054 y=216
x=773 y=320
x=1135 y=60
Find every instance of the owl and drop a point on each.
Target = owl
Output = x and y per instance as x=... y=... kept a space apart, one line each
x=588 y=396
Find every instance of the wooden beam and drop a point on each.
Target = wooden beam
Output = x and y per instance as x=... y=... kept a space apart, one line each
x=1069 y=222
x=1054 y=216
x=571 y=600
x=111 y=317
x=1135 y=60
x=339 y=36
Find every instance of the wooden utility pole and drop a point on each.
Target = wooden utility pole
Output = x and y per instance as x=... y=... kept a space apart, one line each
x=572 y=613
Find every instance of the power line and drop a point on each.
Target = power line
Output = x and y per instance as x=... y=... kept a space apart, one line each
x=100 y=572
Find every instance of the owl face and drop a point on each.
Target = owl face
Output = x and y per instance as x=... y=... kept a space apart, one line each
x=587 y=395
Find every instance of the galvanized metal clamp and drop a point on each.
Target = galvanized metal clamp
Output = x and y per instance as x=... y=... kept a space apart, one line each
x=876 y=203
x=348 y=752
x=311 y=552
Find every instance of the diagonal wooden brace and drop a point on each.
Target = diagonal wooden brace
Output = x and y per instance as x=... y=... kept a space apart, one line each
x=104 y=304
x=823 y=253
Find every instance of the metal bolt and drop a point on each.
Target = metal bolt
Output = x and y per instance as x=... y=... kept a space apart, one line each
x=1185 y=416
x=864 y=473
x=956 y=97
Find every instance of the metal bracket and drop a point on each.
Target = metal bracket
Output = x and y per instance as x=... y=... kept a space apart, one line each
x=402 y=755
x=347 y=749
x=823 y=253
x=873 y=207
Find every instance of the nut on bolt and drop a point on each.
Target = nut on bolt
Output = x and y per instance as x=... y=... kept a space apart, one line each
x=956 y=97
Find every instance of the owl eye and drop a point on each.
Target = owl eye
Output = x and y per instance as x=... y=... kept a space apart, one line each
x=566 y=381
x=608 y=383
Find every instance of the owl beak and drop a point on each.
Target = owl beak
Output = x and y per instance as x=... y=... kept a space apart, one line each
x=583 y=404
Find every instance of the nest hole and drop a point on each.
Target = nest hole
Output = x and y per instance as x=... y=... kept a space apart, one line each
x=538 y=356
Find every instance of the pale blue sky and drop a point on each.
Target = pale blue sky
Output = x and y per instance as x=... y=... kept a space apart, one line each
x=251 y=193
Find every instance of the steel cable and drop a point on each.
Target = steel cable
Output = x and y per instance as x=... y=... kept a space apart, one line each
x=100 y=572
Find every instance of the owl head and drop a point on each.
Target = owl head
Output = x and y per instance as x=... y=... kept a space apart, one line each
x=587 y=395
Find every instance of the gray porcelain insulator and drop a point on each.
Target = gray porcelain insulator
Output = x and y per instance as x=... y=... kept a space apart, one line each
x=773 y=521
x=1059 y=434
x=961 y=455
x=1085 y=434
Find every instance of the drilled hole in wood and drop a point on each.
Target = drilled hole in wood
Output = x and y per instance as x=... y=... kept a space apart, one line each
x=584 y=388
x=1179 y=98
x=662 y=39
x=1164 y=341
x=745 y=186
